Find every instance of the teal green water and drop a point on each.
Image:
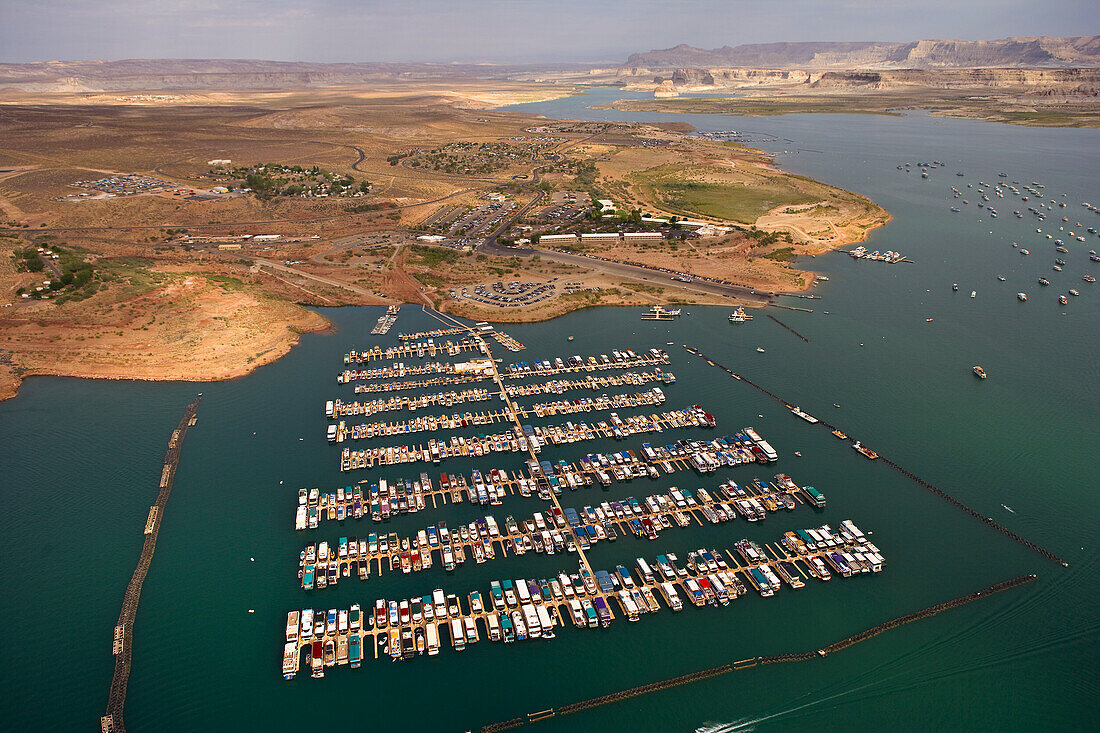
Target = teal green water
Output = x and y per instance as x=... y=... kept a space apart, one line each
x=80 y=462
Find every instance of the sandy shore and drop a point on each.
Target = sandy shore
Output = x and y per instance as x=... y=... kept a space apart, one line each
x=189 y=330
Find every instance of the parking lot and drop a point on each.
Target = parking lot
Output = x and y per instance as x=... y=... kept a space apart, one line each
x=507 y=295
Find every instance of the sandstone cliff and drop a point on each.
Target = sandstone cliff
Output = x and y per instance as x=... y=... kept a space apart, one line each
x=1030 y=52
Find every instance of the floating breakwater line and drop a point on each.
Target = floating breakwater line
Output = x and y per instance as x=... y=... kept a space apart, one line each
x=754 y=661
x=784 y=325
x=123 y=642
x=938 y=492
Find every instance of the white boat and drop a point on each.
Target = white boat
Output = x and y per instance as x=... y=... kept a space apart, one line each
x=804 y=415
x=739 y=316
x=1022 y=297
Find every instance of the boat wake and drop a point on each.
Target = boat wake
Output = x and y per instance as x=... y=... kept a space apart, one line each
x=722 y=727
x=750 y=724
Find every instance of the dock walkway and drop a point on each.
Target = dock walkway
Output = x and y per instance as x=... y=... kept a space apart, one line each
x=709 y=578
x=421 y=550
x=521 y=440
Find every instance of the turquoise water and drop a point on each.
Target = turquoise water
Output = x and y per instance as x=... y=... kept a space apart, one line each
x=81 y=459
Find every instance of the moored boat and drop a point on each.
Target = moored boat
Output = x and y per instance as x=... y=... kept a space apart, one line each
x=739 y=316
x=870 y=454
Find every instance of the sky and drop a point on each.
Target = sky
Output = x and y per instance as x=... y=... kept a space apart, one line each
x=497 y=31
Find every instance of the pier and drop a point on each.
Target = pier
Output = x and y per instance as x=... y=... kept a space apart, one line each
x=489 y=538
x=122 y=647
x=523 y=438
x=559 y=386
x=417 y=384
x=431 y=423
x=588 y=599
x=340 y=408
x=369 y=498
x=872 y=454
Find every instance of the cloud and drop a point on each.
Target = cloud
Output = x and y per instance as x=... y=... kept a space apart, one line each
x=495 y=30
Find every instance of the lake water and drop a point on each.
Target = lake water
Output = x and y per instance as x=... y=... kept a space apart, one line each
x=80 y=462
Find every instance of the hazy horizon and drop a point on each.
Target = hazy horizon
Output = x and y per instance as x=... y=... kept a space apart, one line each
x=495 y=31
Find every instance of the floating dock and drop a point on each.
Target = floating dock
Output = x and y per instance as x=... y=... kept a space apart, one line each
x=560 y=386
x=541 y=478
x=551 y=533
x=455 y=421
x=529 y=609
x=339 y=408
x=534 y=609
x=524 y=438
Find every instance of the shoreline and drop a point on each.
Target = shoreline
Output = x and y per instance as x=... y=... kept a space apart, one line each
x=1025 y=116
x=11 y=381
x=208 y=361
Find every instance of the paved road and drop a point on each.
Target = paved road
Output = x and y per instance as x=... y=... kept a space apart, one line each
x=632 y=272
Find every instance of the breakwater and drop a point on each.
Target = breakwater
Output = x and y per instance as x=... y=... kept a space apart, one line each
x=989 y=521
x=755 y=661
x=123 y=635
x=784 y=325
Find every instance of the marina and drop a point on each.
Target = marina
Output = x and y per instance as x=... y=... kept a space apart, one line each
x=524 y=438
x=229 y=487
x=323 y=564
x=889 y=257
x=385 y=322
x=339 y=408
x=530 y=609
x=560 y=386
x=339 y=433
x=383 y=498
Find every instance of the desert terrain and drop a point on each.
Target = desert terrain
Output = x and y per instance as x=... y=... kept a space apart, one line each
x=1038 y=81
x=179 y=233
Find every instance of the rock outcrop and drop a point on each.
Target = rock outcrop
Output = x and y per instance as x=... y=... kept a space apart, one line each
x=1031 y=52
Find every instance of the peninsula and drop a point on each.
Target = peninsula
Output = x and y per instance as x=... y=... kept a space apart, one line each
x=174 y=233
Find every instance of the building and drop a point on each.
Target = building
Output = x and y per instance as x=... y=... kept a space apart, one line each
x=474 y=366
x=553 y=239
x=606 y=205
